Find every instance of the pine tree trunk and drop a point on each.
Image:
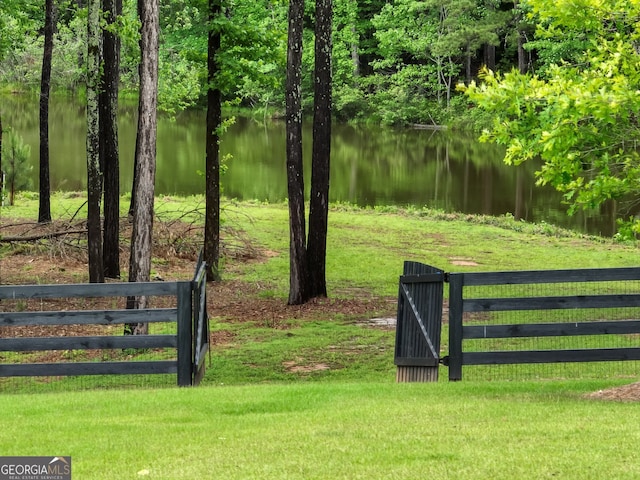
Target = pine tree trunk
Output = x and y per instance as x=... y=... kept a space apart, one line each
x=94 y=180
x=145 y=161
x=44 y=209
x=355 y=54
x=109 y=156
x=1 y=171
x=295 y=179
x=321 y=152
x=522 y=54
x=490 y=57
x=214 y=119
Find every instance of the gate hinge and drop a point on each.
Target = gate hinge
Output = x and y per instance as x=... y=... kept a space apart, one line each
x=445 y=361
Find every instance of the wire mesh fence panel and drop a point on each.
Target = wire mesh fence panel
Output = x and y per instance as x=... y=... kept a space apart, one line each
x=48 y=384
x=624 y=370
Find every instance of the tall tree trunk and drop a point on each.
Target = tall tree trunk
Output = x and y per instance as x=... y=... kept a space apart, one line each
x=145 y=161
x=490 y=57
x=355 y=54
x=44 y=209
x=522 y=54
x=214 y=119
x=468 y=63
x=298 y=291
x=523 y=61
x=94 y=180
x=1 y=171
x=321 y=152
x=109 y=156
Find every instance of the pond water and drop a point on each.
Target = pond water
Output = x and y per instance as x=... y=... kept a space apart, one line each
x=370 y=165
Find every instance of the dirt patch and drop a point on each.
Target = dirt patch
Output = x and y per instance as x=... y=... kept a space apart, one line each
x=625 y=393
x=463 y=262
x=295 y=367
x=237 y=301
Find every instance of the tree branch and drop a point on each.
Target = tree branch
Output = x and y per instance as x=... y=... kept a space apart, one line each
x=42 y=236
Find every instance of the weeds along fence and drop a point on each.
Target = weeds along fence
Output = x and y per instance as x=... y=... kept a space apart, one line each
x=77 y=330
x=576 y=319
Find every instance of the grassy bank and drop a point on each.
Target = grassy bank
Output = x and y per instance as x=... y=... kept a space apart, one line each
x=308 y=392
x=258 y=338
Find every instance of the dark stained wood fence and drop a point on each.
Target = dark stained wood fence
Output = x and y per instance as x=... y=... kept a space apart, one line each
x=419 y=322
x=459 y=305
x=420 y=305
x=191 y=340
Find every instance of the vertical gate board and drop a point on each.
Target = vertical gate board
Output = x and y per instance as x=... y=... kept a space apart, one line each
x=419 y=323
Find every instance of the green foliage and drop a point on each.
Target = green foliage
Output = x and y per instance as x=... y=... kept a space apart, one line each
x=18 y=24
x=350 y=102
x=400 y=99
x=425 y=45
x=69 y=46
x=415 y=53
x=392 y=60
x=19 y=65
x=4 y=34
x=580 y=118
x=179 y=83
x=251 y=52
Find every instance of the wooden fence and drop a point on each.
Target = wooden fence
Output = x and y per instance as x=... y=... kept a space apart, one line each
x=191 y=339
x=458 y=305
x=461 y=304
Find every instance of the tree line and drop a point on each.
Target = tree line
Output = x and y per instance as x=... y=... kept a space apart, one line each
x=393 y=62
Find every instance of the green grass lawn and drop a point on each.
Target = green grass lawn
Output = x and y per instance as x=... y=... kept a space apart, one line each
x=256 y=419
x=464 y=430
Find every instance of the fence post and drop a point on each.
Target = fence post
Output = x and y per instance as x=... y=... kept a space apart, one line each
x=456 y=282
x=185 y=334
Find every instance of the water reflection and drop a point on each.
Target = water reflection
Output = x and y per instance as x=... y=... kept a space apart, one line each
x=369 y=166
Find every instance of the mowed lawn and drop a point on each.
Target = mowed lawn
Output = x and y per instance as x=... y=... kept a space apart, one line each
x=466 y=430
x=351 y=422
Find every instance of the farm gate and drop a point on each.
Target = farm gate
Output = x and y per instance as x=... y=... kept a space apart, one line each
x=473 y=295
x=187 y=312
x=417 y=351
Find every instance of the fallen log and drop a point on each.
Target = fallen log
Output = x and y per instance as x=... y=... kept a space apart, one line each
x=40 y=236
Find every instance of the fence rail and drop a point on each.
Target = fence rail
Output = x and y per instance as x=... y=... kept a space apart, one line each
x=189 y=315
